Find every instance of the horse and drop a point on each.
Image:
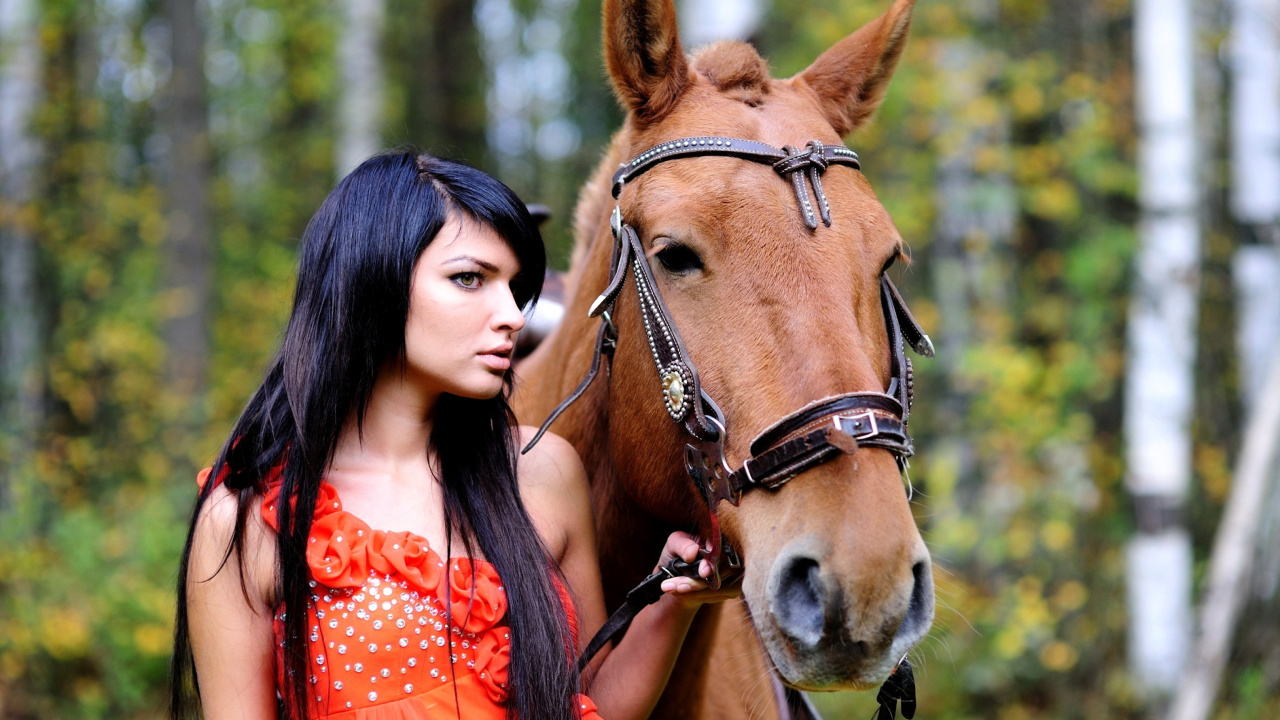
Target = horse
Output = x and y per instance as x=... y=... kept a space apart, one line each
x=778 y=312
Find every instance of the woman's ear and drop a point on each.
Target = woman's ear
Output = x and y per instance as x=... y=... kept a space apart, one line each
x=643 y=55
x=850 y=79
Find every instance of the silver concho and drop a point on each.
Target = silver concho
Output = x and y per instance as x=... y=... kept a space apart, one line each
x=677 y=384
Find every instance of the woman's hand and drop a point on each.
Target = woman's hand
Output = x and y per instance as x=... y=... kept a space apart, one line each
x=692 y=591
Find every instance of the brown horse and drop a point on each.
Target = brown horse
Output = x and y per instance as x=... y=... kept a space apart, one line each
x=836 y=580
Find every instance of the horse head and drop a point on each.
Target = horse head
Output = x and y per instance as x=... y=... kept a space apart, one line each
x=776 y=315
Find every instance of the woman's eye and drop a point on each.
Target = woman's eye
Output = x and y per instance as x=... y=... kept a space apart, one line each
x=467 y=280
x=677 y=258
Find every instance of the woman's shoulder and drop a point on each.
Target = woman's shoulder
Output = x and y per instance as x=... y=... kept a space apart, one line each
x=215 y=529
x=553 y=485
x=552 y=465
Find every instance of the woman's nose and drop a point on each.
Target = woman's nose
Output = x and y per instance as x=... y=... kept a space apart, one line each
x=508 y=315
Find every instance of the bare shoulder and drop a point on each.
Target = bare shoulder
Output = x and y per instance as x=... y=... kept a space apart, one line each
x=215 y=525
x=215 y=529
x=229 y=613
x=552 y=466
x=553 y=485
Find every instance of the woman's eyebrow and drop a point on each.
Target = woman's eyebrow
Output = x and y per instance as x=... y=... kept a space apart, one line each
x=471 y=258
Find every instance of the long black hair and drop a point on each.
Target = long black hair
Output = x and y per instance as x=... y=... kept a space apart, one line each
x=349 y=313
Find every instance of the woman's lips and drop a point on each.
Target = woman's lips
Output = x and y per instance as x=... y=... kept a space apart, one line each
x=499 y=360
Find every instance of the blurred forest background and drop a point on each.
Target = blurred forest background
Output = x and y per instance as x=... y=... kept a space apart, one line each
x=160 y=159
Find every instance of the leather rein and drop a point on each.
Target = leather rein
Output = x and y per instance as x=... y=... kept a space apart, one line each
x=807 y=437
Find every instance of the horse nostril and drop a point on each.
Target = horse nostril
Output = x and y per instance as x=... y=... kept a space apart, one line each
x=920 y=607
x=798 y=600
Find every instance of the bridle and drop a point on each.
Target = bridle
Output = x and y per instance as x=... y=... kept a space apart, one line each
x=806 y=438
x=810 y=436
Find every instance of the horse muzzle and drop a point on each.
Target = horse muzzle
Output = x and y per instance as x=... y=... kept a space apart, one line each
x=826 y=634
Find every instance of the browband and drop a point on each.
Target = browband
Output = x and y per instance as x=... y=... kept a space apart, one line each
x=786 y=161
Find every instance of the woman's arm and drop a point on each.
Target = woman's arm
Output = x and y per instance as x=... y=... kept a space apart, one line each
x=630 y=679
x=627 y=682
x=232 y=638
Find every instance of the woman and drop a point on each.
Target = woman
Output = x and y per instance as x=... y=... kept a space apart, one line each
x=386 y=408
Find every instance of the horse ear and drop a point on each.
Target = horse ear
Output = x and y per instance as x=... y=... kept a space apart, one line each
x=643 y=54
x=851 y=77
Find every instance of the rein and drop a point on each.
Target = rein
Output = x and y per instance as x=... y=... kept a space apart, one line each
x=803 y=439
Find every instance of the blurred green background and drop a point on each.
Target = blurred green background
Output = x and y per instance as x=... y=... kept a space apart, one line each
x=1005 y=152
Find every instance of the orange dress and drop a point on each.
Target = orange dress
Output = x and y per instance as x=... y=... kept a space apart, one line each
x=379 y=647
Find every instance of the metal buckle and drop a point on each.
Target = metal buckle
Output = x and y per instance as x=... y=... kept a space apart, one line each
x=868 y=414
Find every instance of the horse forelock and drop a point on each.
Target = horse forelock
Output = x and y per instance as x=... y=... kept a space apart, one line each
x=731 y=65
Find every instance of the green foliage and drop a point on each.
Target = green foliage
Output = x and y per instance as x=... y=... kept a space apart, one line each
x=88 y=550
x=1019 y=425
x=1019 y=420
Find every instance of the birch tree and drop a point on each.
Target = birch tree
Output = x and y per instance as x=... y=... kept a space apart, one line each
x=360 y=98
x=976 y=215
x=19 y=150
x=1255 y=203
x=1161 y=344
x=1246 y=534
x=1256 y=274
x=190 y=254
x=1255 y=114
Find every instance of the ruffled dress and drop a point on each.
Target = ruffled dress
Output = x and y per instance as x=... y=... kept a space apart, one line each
x=379 y=647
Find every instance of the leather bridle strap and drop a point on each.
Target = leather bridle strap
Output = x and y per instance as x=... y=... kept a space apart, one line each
x=819 y=431
x=788 y=162
x=648 y=592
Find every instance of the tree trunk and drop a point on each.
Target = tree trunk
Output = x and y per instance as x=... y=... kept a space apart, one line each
x=1161 y=353
x=976 y=216
x=1255 y=201
x=433 y=58
x=360 y=101
x=19 y=152
x=1231 y=564
x=189 y=254
x=1255 y=112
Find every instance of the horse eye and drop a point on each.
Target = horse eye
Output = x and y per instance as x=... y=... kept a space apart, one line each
x=888 y=263
x=678 y=259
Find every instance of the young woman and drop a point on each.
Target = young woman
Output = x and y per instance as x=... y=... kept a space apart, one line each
x=368 y=543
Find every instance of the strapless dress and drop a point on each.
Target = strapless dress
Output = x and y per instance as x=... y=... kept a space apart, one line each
x=379 y=647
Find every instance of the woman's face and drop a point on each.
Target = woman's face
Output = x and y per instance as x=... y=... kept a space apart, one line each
x=463 y=318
